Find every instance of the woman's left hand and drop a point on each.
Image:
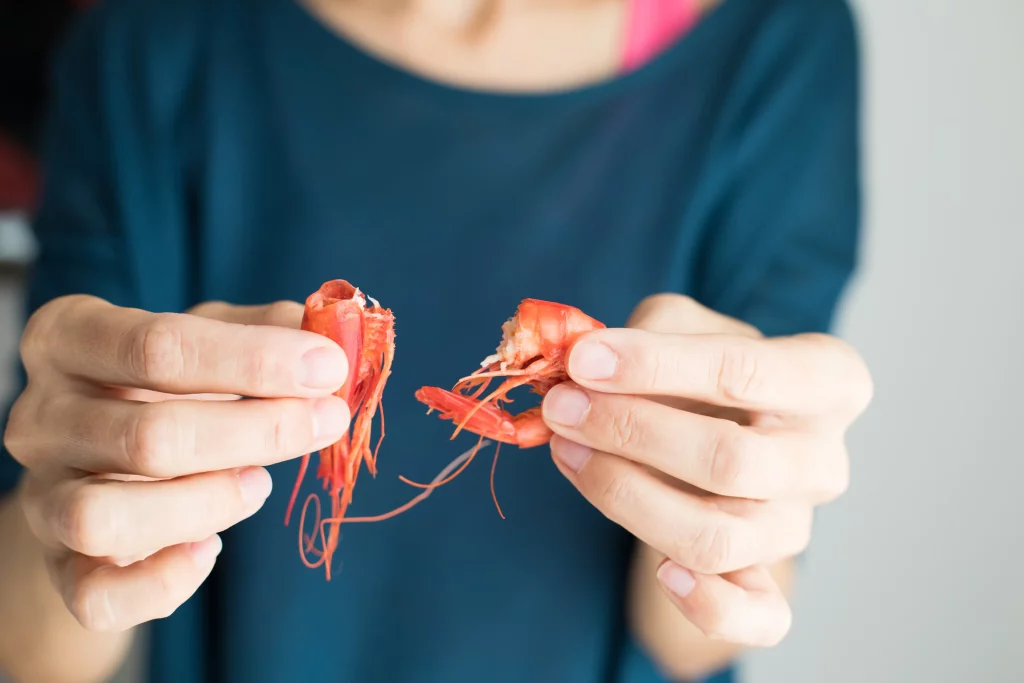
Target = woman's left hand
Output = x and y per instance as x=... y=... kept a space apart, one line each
x=712 y=445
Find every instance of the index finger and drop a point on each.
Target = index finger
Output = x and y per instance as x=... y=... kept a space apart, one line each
x=805 y=373
x=179 y=353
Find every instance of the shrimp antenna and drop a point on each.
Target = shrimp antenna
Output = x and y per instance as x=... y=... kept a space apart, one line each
x=458 y=462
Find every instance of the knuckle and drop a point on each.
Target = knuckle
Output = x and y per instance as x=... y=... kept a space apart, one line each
x=33 y=334
x=711 y=552
x=153 y=439
x=89 y=527
x=257 y=369
x=743 y=328
x=626 y=426
x=663 y=312
x=728 y=460
x=214 y=309
x=620 y=493
x=842 y=483
x=158 y=351
x=166 y=608
x=839 y=481
x=736 y=372
x=284 y=314
x=18 y=434
x=674 y=305
x=291 y=428
x=654 y=374
x=838 y=360
x=804 y=532
x=863 y=384
x=39 y=325
x=679 y=307
x=663 y=370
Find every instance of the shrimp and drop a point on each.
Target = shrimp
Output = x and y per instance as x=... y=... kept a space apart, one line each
x=366 y=334
x=535 y=343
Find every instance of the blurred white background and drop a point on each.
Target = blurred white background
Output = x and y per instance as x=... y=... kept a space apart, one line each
x=915 y=575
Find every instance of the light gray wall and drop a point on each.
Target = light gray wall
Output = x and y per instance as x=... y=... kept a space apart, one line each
x=918 y=573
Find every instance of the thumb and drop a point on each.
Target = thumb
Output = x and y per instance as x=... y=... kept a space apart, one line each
x=277 y=314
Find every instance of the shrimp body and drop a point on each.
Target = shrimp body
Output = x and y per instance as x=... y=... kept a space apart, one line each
x=535 y=343
x=366 y=334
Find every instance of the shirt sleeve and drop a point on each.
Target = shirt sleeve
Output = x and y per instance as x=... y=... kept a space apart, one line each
x=781 y=239
x=82 y=249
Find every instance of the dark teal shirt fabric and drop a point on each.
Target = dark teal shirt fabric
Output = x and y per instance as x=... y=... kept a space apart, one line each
x=239 y=150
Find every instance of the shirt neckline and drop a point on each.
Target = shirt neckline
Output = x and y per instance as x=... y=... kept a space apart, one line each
x=679 y=51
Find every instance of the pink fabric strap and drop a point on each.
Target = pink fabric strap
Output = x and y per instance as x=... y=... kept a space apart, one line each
x=653 y=25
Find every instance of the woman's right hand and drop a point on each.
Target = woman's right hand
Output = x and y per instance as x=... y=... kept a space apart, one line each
x=138 y=452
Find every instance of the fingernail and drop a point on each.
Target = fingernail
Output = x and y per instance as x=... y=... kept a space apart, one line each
x=675 y=579
x=330 y=419
x=591 y=360
x=323 y=369
x=256 y=485
x=571 y=454
x=205 y=552
x=566 y=405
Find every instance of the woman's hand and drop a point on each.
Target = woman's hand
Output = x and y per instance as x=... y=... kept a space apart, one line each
x=138 y=452
x=712 y=445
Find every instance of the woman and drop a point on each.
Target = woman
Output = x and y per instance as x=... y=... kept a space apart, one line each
x=450 y=159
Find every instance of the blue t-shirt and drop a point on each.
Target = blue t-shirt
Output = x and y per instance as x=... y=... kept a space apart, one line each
x=239 y=150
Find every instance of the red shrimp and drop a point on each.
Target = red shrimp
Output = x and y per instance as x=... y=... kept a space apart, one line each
x=532 y=353
x=366 y=334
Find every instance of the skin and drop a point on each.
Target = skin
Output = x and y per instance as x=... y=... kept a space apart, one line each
x=137 y=455
x=708 y=443
x=712 y=445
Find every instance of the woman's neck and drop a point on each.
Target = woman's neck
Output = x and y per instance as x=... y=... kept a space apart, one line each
x=514 y=45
